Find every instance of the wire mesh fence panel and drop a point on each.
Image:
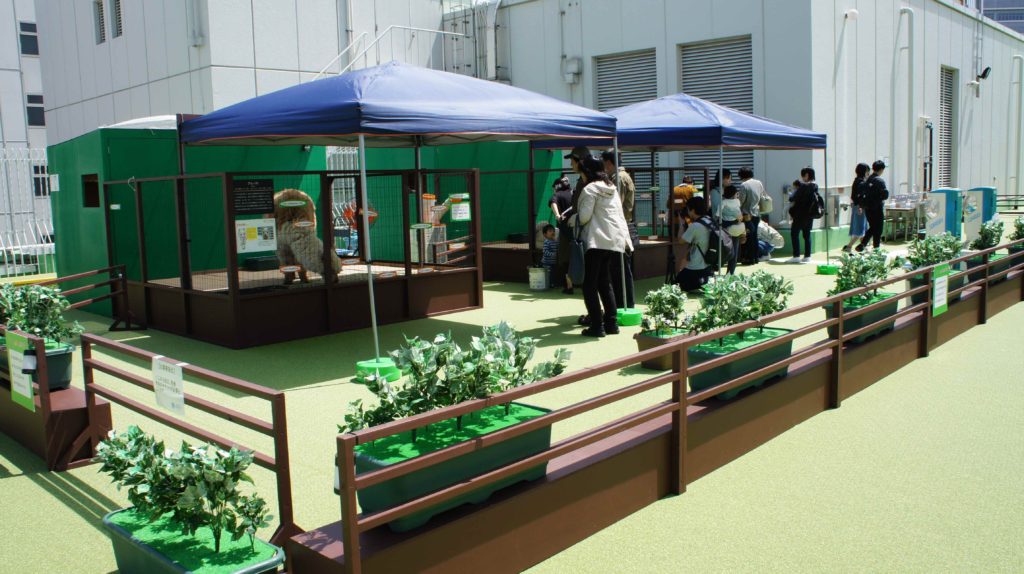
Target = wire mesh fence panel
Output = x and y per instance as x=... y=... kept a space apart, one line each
x=345 y=214
x=452 y=242
x=385 y=193
x=207 y=242
x=278 y=230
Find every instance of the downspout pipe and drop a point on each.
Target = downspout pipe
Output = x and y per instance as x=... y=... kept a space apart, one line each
x=491 y=37
x=911 y=97
x=1019 y=60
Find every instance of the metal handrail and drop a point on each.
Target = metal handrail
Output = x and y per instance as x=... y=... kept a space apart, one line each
x=358 y=39
x=388 y=30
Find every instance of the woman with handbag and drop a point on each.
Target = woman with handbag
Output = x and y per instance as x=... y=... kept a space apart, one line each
x=603 y=232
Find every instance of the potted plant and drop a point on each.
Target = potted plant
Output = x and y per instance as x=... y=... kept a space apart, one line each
x=858 y=270
x=440 y=373
x=1017 y=235
x=664 y=321
x=929 y=251
x=39 y=311
x=988 y=237
x=733 y=299
x=184 y=502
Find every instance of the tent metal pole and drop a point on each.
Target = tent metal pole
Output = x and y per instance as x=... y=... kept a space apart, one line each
x=366 y=229
x=827 y=225
x=618 y=191
x=721 y=196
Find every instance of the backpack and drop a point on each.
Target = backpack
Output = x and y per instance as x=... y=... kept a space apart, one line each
x=718 y=242
x=764 y=205
x=817 y=206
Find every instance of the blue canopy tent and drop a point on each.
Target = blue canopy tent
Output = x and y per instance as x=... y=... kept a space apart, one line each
x=682 y=122
x=394 y=105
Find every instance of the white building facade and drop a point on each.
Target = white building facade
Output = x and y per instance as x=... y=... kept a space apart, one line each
x=24 y=187
x=901 y=80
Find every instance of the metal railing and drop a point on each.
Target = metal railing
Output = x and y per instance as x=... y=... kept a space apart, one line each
x=354 y=524
x=376 y=43
x=276 y=428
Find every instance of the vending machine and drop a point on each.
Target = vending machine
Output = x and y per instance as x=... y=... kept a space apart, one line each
x=943 y=211
x=974 y=214
x=988 y=202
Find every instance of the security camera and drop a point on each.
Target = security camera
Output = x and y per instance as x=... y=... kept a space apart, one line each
x=984 y=74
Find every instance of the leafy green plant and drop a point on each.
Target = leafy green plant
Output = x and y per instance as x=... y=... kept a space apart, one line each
x=858 y=270
x=1018 y=229
x=989 y=235
x=933 y=249
x=36 y=310
x=197 y=485
x=734 y=299
x=441 y=373
x=665 y=312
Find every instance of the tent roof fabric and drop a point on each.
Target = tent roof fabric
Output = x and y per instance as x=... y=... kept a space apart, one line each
x=681 y=121
x=396 y=105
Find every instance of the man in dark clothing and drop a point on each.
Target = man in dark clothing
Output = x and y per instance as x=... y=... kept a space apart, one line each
x=873 y=203
x=627 y=194
x=577 y=155
x=561 y=207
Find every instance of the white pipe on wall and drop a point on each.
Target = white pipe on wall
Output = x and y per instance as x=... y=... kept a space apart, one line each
x=911 y=116
x=1019 y=60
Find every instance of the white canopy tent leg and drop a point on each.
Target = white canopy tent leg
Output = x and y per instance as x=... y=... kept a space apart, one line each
x=365 y=211
x=827 y=225
x=622 y=255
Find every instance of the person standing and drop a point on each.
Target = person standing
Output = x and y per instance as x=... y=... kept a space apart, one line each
x=801 y=211
x=576 y=157
x=713 y=198
x=605 y=235
x=858 y=221
x=561 y=208
x=750 y=193
x=732 y=223
x=875 y=194
x=627 y=192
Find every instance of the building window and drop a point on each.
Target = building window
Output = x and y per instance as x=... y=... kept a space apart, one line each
x=29 y=38
x=36 y=115
x=90 y=190
x=117 y=24
x=98 y=20
x=40 y=181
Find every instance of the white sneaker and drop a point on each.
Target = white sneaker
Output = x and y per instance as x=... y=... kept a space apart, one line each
x=793 y=260
x=805 y=260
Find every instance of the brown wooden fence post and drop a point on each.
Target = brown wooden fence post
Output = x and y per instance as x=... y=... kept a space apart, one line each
x=925 y=343
x=91 y=408
x=836 y=375
x=349 y=511
x=677 y=468
x=983 y=305
x=287 y=527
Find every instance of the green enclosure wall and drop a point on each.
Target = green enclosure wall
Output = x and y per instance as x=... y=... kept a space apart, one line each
x=116 y=154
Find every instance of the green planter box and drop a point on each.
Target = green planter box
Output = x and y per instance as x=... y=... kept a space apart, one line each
x=923 y=297
x=997 y=265
x=713 y=349
x=158 y=547
x=58 y=364
x=397 y=448
x=866 y=319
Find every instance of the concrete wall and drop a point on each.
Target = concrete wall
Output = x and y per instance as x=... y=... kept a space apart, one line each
x=194 y=56
x=857 y=62
x=801 y=76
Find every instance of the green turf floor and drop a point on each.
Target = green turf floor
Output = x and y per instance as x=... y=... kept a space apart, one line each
x=737 y=529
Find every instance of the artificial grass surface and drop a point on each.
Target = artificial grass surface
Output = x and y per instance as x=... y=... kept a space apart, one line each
x=757 y=527
x=400 y=447
x=194 y=553
x=733 y=343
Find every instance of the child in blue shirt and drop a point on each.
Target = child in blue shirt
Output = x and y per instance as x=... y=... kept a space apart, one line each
x=550 y=255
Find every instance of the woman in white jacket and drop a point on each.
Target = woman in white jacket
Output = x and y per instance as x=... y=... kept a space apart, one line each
x=605 y=235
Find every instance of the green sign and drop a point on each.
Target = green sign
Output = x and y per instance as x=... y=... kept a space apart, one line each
x=21 y=383
x=940 y=289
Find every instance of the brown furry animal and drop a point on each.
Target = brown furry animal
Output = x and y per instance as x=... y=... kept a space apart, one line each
x=297 y=243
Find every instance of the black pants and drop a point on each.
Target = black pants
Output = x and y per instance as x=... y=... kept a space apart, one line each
x=801 y=228
x=876 y=222
x=561 y=268
x=692 y=279
x=630 y=301
x=597 y=287
x=750 y=253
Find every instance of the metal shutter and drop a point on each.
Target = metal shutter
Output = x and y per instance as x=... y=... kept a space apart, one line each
x=720 y=71
x=947 y=127
x=624 y=79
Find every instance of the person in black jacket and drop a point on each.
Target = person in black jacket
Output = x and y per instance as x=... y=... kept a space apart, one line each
x=874 y=198
x=858 y=221
x=801 y=210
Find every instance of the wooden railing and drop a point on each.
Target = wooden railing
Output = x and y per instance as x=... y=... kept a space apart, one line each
x=276 y=428
x=353 y=523
x=118 y=284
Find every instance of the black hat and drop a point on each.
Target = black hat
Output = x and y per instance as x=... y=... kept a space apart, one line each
x=579 y=153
